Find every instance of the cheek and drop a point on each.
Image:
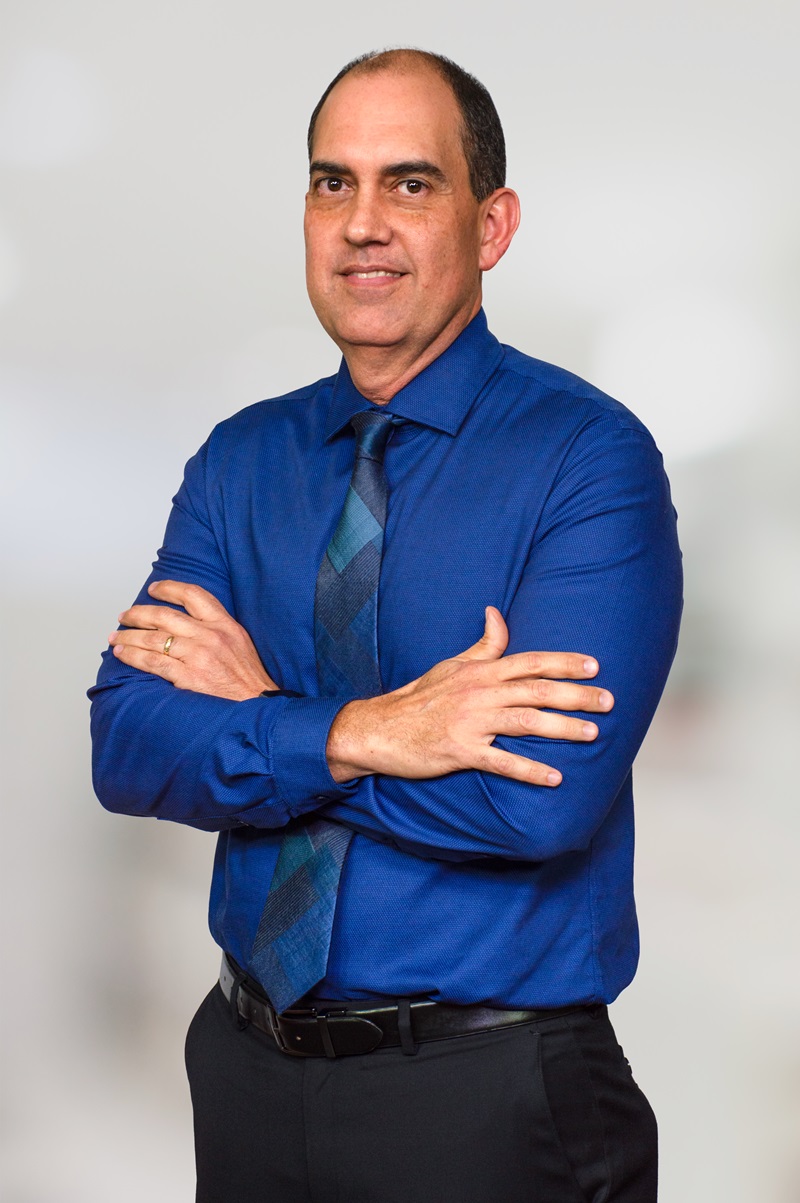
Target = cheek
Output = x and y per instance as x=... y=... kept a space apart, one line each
x=317 y=228
x=449 y=246
x=451 y=271
x=318 y=257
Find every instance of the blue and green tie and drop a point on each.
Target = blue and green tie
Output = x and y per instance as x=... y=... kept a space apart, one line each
x=290 y=951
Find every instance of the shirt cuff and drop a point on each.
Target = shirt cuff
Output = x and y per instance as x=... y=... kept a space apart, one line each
x=299 y=764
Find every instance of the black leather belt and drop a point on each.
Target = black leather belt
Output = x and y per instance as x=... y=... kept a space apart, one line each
x=334 y=1030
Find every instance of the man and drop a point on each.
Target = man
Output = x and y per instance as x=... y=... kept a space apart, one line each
x=438 y=912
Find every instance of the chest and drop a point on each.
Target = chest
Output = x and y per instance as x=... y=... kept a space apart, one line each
x=459 y=532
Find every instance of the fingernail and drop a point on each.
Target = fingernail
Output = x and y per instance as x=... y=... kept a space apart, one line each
x=590 y=667
x=589 y=730
x=553 y=778
x=605 y=699
x=112 y=636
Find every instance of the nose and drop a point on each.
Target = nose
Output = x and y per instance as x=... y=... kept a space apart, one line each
x=367 y=218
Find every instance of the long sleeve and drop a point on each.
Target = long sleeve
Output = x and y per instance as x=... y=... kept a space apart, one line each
x=603 y=578
x=192 y=758
x=511 y=483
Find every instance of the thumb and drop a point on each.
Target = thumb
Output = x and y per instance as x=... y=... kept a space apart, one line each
x=494 y=640
x=196 y=601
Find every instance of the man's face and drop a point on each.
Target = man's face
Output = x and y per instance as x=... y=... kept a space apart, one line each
x=392 y=228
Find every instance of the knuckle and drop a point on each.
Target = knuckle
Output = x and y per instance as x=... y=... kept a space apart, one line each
x=467 y=685
x=453 y=751
x=498 y=720
x=533 y=662
x=501 y=763
x=527 y=719
x=541 y=690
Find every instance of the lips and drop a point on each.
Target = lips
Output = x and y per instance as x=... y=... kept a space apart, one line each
x=372 y=273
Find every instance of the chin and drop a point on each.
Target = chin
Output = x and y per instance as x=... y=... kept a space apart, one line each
x=376 y=332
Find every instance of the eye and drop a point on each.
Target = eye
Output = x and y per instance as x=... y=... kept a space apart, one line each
x=329 y=184
x=412 y=187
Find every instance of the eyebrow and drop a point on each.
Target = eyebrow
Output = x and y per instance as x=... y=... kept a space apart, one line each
x=415 y=167
x=325 y=167
x=406 y=167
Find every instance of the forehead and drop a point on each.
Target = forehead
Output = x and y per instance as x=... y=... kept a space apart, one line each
x=390 y=115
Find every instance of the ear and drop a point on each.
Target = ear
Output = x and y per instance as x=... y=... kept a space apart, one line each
x=501 y=215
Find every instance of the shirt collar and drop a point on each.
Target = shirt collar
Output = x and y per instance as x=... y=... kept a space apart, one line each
x=440 y=396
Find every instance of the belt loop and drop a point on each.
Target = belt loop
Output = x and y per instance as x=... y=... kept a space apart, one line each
x=238 y=1018
x=404 y=1027
x=327 y=1043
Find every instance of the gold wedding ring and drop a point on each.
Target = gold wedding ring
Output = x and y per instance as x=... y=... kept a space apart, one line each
x=168 y=644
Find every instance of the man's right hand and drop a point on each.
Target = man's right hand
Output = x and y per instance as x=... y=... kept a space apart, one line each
x=448 y=719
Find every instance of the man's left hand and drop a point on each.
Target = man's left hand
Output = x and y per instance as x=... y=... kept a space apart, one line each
x=204 y=649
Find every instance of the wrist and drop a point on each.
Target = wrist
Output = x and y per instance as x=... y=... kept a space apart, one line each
x=345 y=747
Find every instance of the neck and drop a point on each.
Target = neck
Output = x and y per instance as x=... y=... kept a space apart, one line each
x=379 y=373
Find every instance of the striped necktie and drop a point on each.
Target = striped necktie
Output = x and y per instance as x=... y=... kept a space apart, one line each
x=290 y=951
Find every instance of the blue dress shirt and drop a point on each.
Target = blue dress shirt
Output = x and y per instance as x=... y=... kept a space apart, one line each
x=515 y=484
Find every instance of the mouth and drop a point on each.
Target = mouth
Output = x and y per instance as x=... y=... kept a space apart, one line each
x=375 y=273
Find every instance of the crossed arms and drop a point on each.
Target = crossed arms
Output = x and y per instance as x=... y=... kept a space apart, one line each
x=440 y=723
x=456 y=763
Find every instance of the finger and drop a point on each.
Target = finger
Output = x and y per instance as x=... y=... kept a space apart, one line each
x=148 y=641
x=526 y=720
x=154 y=663
x=554 y=695
x=516 y=768
x=196 y=600
x=494 y=640
x=573 y=665
x=159 y=618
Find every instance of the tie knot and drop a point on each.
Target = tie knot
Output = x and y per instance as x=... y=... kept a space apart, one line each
x=372 y=433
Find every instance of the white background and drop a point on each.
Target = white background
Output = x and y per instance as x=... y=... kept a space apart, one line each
x=152 y=172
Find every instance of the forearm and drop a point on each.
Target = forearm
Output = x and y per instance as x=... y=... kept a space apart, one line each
x=193 y=758
x=605 y=577
x=472 y=814
x=185 y=755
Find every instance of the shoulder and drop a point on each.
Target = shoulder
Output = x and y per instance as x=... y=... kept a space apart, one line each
x=569 y=426
x=293 y=419
x=564 y=397
x=595 y=459
x=298 y=405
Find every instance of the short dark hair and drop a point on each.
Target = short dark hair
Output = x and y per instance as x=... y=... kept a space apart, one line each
x=481 y=131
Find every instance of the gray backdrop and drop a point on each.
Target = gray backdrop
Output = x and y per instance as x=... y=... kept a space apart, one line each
x=151 y=180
